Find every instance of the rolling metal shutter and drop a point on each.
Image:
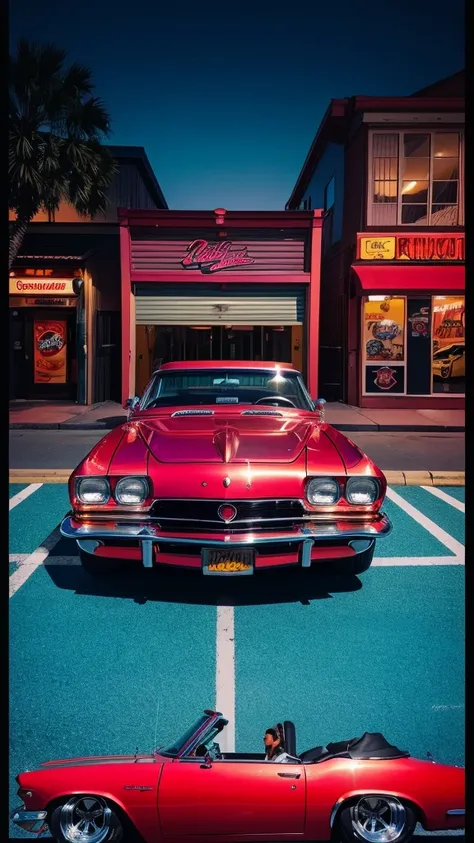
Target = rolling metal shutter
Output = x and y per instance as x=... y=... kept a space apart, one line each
x=258 y=307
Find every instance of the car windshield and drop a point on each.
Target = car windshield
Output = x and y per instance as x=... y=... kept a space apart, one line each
x=448 y=350
x=198 y=387
x=204 y=735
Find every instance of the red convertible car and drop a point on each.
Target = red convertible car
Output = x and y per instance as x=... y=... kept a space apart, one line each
x=226 y=467
x=362 y=789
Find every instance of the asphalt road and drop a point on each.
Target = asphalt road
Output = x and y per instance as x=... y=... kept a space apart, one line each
x=109 y=666
x=391 y=451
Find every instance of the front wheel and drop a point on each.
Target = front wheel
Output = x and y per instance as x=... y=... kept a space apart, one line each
x=377 y=819
x=359 y=563
x=86 y=819
x=97 y=565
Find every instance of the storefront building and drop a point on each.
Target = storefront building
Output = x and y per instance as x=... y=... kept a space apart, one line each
x=410 y=312
x=43 y=327
x=218 y=285
x=389 y=174
x=65 y=298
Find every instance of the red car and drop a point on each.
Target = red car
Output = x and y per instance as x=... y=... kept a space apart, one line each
x=363 y=789
x=228 y=468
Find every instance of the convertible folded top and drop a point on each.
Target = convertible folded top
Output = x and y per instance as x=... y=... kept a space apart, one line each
x=372 y=745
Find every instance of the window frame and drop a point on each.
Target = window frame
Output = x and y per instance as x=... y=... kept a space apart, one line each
x=417 y=130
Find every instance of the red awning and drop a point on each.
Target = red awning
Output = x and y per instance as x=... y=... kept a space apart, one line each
x=409 y=278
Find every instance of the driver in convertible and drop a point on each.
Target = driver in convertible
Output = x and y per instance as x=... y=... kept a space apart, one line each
x=275 y=746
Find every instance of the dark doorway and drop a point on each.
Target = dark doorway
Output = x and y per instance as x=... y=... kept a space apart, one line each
x=43 y=362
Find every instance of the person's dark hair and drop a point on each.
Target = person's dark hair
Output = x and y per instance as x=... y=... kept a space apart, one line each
x=277 y=732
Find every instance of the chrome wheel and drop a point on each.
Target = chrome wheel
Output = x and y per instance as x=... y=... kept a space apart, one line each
x=378 y=819
x=85 y=819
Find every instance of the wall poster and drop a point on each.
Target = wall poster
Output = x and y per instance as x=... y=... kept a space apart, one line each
x=448 y=337
x=50 y=351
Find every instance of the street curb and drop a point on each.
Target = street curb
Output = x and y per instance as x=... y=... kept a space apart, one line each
x=394 y=478
x=360 y=428
x=425 y=478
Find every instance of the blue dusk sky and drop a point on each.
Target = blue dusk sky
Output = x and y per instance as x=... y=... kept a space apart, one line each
x=226 y=97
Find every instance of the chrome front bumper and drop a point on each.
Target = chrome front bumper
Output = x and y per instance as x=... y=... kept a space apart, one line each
x=32 y=821
x=148 y=533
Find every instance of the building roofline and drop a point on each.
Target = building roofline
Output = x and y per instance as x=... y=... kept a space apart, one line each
x=231 y=219
x=139 y=156
x=342 y=107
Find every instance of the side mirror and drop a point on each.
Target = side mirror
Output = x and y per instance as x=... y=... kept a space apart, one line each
x=319 y=404
x=131 y=403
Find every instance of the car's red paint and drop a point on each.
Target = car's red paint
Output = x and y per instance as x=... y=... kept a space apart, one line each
x=225 y=453
x=230 y=797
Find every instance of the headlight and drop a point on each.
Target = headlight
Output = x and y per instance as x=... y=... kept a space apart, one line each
x=93 y=489
x=131 y=490
x=323 y=491
x=362 y=490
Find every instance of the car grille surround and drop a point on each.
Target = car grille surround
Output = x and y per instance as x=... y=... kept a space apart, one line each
x=192 y=515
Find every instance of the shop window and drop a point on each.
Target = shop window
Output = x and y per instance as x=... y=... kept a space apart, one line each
x=415 y=178
x=383 y=344
x=413 y=346
x=448 y=334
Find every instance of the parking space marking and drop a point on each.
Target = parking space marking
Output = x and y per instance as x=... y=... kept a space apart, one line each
x=25 y=493
x=443 y=496
x=225 y=673
x=401 y=561
x=29 y=565
x=452 y=544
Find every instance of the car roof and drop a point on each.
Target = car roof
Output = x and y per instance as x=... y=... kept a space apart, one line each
x=226 y=364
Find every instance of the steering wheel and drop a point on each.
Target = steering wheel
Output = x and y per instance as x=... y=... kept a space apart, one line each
x=278 y=398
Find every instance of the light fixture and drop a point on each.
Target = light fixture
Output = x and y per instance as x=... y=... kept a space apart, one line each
x=409 y=187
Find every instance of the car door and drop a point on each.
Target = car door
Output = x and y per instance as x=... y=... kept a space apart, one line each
x=231 y=797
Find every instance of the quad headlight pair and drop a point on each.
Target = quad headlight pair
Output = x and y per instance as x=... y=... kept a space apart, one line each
x=325 y=491
x=128 y=491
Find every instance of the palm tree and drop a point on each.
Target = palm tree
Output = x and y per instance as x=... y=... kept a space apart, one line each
x=55 y=131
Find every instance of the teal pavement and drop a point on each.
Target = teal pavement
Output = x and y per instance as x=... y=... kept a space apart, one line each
x=107 y=668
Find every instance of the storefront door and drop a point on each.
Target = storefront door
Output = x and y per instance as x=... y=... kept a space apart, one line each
x=43 y=354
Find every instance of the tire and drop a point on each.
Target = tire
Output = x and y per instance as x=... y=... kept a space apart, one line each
x=98 y=566
x=357 y=564
x=378 y=813
x=100 y=825
x=363 y=561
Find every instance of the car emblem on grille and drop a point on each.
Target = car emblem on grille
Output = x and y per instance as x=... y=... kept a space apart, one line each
x=226 y=482
x=227 y=512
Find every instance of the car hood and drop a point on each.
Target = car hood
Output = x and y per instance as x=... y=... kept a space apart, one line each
x=231 y=439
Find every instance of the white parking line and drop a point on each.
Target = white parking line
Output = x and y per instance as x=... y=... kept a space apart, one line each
x=452 y=544
x=401 y=561
x=33 y=561
x=225 y=673
x=25 y=493
x=443 y=496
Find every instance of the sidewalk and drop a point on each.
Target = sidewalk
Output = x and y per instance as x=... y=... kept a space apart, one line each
x=63 y=415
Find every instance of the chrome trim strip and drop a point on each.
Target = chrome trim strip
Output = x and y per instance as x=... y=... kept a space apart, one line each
x=192 y=413
x=306 y=548
x=456 y=812
x=32 y=821
x=152 y=533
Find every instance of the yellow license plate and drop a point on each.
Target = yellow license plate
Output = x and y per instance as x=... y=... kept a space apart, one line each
x=225 y=562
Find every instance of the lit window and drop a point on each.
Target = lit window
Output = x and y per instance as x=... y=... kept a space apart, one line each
x=415 y=179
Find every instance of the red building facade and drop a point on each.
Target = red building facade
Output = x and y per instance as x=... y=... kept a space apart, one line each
x=389 y=173
x=216 y=285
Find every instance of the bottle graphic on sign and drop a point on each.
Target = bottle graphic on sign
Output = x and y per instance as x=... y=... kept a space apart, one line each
x=50 y=351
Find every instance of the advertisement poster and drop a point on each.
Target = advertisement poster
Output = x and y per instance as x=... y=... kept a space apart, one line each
x=384 y=379
x=383 y=329
x=50 y=344
x=448 y=336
